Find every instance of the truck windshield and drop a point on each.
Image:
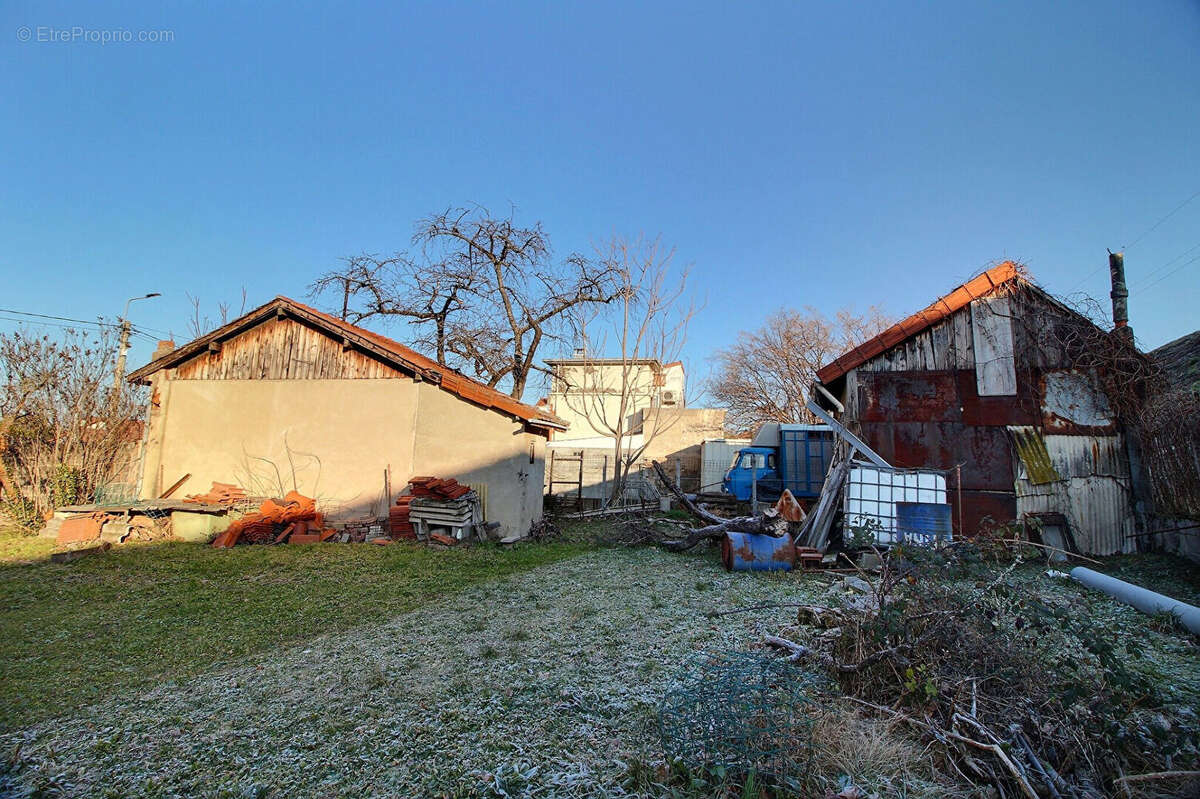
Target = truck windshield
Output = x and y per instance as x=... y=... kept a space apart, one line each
x=752 y=460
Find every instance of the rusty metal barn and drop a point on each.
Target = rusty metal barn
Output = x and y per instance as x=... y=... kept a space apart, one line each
x=982 y=384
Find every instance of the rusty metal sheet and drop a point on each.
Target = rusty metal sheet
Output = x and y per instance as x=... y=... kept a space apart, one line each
x=1073 y=403
x=1021 y=408
x=980 y=506
x=985 y=453
x=924 y=396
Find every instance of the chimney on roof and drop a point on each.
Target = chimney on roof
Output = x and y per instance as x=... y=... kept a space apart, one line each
x=1119 y=294
x=163 y=348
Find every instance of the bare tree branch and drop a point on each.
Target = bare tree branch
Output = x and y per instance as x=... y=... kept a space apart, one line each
x=764 y=375
x=485 y=294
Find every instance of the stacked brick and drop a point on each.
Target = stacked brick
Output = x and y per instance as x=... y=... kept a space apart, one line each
x=398 y=520
x=435 y=488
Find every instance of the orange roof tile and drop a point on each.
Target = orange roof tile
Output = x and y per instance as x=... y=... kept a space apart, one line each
x=980 y=286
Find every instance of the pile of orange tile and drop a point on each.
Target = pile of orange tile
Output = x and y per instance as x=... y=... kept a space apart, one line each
x=294 y=519
x=399 y=523
x=219 y=494
x=434 y=488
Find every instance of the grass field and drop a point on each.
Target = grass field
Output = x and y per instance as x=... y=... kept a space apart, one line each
x=349 y=671
x=137 y=615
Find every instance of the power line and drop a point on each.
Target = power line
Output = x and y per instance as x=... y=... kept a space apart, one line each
x=1154 y=227
x=59 y=318
x=43 y=324
x=1168 y=274
x=1143 y=279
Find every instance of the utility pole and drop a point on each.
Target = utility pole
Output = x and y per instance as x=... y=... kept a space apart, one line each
x=126 y=329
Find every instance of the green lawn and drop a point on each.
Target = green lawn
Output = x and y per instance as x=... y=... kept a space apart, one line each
x=74 y=633
x=17 y=547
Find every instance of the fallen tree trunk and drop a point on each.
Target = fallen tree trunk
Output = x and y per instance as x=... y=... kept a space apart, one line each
x=772 y=525
x=688 y=505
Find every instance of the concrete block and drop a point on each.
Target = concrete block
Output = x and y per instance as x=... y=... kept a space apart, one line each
x=198 y=527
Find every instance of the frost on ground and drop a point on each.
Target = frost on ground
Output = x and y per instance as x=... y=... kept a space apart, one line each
x=544 y=684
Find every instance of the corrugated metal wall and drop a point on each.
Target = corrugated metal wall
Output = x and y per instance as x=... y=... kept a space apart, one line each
x=1094 y=491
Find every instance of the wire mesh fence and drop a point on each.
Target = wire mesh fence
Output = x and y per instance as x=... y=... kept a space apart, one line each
x=740 y=714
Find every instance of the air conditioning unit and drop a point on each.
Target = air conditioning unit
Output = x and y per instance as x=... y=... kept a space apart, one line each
x=668 y=398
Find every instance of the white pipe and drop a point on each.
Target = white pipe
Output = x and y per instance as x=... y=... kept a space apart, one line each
x=836 y=403
x=1144 y=600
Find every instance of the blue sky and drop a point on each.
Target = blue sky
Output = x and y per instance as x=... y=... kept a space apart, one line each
x=824 y=154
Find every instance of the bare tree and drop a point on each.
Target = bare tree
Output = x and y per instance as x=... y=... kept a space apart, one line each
x=765 y=375
x=201 y=324
x=65 y=434
x=644 y=328
x=485 y=295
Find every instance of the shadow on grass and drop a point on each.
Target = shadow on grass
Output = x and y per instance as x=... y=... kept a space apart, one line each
x=74 y=633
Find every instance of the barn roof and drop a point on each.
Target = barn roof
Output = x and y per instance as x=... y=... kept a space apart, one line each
x=980 y=286
x=1180 y=360
x=392 y=352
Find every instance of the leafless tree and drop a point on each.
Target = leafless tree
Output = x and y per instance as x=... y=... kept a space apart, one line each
x=201 y=324
x=485 y=294
x=643 y=329
x=64 y=432
x=765 y=374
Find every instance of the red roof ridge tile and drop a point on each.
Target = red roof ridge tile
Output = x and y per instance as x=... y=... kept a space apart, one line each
x=979 y=286
x=446 y=377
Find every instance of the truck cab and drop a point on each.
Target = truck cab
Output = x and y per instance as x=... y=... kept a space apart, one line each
x=752 y=465
x=791 y=456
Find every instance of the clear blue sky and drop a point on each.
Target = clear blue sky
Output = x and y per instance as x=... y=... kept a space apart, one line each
x=824 y=154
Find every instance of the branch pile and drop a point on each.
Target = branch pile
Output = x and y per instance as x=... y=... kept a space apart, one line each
x=1014 y=688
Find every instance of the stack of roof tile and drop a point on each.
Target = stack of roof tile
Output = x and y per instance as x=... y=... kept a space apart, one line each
x=398 y=521
x=294 y=517
x=435 y=488
x=219 y=494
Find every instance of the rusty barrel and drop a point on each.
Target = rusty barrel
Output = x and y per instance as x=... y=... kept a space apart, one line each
x=754 y=552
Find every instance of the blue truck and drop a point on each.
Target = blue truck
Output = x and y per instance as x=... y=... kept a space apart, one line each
x=791 y=456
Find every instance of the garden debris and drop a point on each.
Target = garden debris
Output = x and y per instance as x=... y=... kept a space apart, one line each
x=295 y=516
x=789 y=507
x=444 y=504
x=219 y=494
x=84 y=527
x=742 y=715
x=1009 y=681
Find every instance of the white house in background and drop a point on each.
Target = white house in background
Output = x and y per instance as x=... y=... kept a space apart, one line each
x=581 y=383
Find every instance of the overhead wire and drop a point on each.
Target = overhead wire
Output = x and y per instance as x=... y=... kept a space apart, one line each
x=1143 y=235
x=1146 y=278
x=1154 y=227
x=59 y=318
x=1149 y=286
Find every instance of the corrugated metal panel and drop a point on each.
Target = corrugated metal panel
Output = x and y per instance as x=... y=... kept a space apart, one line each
x=1093 y=494
x=1097 y=509
x=716 y=456
x=1035 y=457
x=1085 y=456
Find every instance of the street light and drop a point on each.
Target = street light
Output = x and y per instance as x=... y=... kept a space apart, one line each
x=119 y=371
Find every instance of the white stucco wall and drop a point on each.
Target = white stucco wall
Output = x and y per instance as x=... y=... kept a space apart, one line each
x=341 y=436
